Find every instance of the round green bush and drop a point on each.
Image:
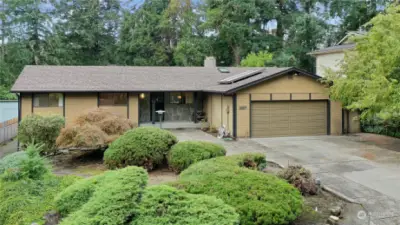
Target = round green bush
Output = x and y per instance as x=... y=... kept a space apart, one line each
x=259 y=198
x=111 y=198
x=166 y=205
x=143 y=146
x=42 y=130
x=183 y=154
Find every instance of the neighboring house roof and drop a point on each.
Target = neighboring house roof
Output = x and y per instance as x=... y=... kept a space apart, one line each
x=138 y=79
x=350 y=34
x=333 y=49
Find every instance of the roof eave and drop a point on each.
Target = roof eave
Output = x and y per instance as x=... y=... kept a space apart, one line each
x=281 y=73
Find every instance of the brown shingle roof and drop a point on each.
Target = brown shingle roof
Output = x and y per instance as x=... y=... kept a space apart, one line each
x=125 y=78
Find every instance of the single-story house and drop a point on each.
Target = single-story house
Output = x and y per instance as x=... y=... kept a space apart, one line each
x=250 y=102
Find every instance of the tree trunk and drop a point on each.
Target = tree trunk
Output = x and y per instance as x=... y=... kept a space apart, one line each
x=279 y=21
x=236 y=54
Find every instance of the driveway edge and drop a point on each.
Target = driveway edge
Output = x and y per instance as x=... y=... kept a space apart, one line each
x=339 y=195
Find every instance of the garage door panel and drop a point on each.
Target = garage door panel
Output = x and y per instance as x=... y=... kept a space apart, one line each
x=274 y=119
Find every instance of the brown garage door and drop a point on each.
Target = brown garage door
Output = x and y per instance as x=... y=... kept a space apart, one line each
x=274 y=119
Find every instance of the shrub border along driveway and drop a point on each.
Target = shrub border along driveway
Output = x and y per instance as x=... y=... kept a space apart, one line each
x=336 y=160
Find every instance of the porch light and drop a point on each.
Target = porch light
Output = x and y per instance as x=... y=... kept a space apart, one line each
x=142 y=96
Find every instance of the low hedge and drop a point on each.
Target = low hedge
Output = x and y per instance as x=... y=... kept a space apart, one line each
x=144 y=146
x=40 y=129
x=111 y=198
x=166 y=205
x=183 y=154
x=27 y=201
x=259 y=198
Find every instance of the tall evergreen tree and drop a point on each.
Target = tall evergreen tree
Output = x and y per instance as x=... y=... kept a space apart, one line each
x=87 y=31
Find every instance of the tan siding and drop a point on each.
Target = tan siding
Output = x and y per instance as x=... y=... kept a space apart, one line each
x=47 y=111
x=261 y=97
x=296 y=96
x=216 y=110
x=336 y=118
x=134 y=108
x=329 y=60
x=121 y=111
x=26 y=105
x=299 y=84
x=354 y=122
x=78 y=103
x=279 y=96
x=243 y=114
x=227 y=113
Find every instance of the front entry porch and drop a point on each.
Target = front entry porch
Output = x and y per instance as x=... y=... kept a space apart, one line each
x=181 y=109
x=174 y=125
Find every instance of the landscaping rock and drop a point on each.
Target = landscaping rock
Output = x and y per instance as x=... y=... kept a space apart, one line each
x=336 y=211
x=333 y=220
x=52 y=218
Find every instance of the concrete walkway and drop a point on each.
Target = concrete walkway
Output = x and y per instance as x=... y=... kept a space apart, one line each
x=360 y=170
x=8 y=148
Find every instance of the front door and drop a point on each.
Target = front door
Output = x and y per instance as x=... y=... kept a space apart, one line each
x=157 y=103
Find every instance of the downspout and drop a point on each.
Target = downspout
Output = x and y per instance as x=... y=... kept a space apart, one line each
x=19 y=116
x=222 y=114
x=234 y=115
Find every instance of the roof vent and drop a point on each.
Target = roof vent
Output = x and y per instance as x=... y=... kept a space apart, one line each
x=223 y=70
x=240 y=76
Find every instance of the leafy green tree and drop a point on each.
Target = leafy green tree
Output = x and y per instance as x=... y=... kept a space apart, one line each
x=259 y=59
x=87 y=31
x=238 y=22
x=141 y=42
x=306 y=33
x=353 y=14
x=369 y=77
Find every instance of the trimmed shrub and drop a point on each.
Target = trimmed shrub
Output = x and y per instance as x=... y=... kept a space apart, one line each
x=259 y=198
x=183 y=154
x=94 y=129
x=166 y=205
x=300 y=178
x=72 y=198
x=40 y=129
x=143 y=146
x=114 y=199
x=85 y=136
x=27 y=165
x=26 y=201
x=108 y=122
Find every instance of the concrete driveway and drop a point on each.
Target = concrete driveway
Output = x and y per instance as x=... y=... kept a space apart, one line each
x=356 y=166
x=362 y=171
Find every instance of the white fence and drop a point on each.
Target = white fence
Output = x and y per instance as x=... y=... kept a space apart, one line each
x=8 y=130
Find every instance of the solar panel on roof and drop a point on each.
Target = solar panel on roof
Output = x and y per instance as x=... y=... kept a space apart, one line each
x=223 y=70
x=240 y=76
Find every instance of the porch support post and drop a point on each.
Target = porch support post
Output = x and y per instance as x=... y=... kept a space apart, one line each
x=153 y=111
x=195 y=98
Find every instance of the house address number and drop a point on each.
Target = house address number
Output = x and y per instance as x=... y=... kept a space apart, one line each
x=242 y=107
